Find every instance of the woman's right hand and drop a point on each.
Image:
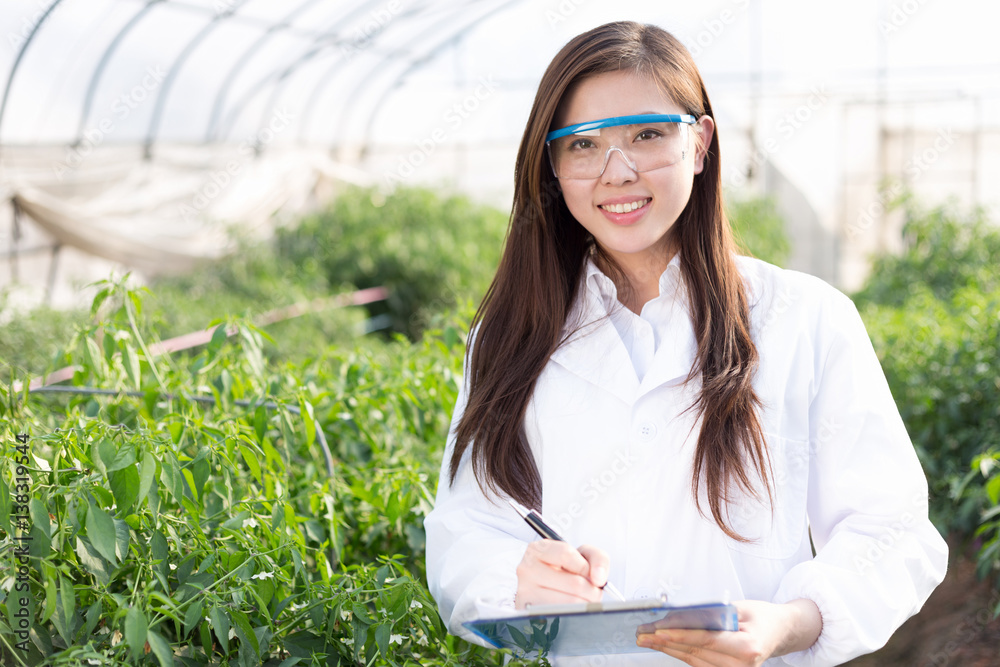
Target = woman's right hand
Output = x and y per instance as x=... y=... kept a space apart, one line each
x=553 y=572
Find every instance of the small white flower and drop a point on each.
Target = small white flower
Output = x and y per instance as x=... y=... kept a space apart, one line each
x=208 y=620
x=389 y=580
x=296 y=607
x=232 y=633
x=250 y=523
x=349 y=641
x=263 y=575
x=422 y=641
x=116 y=638
x=345 y=614
x=395 y=639
x=104 y=630
x=172 y=567
x=416 y=605
x=91 y=661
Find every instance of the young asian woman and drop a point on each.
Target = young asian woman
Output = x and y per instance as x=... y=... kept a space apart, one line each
x=705 y=425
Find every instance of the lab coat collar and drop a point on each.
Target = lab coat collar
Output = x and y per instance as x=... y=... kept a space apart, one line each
x=595 y=352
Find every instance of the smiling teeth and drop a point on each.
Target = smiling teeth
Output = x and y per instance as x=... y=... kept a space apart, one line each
x=625 y=208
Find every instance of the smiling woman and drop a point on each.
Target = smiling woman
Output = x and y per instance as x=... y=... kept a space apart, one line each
x=622 y=326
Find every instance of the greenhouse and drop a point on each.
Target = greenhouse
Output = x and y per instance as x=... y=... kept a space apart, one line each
x=242 y=244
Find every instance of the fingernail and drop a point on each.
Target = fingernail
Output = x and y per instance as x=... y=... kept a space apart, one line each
x=599 y=577
x=642 y=640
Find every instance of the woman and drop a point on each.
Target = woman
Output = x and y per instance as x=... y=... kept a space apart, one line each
x=690 y=416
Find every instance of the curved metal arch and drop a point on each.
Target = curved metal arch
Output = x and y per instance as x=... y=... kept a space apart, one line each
x=168 y=81
x=329 y=74
x=285 y=76
x=430 y=55
x=241 y=62
x=17 y=61
x=320 y=42
x=88 y=100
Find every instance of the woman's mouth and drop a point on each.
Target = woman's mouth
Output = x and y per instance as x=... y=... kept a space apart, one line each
x=626 y=207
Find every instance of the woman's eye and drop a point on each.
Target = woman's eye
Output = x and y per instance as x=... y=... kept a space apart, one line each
x=581 y=144
x=646 y=135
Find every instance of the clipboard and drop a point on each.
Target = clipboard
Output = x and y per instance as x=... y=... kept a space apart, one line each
x=597 y=628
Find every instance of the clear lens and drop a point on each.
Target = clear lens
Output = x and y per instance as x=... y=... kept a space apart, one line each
x=648 y=146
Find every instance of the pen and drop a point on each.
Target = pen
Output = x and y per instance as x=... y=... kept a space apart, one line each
x=534 y=519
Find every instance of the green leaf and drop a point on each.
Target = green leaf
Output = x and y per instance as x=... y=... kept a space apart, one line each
x=220 y=624
x=252 y=462
x=131 y=362
x=161 y=649
x=136 y=627
x=103 y=453
x=170 y=475
x=192 y=616
x=64 y=617
x=122 y=538
x=147 y=475
x=192 y=487
x=122 y=458
x=243 y=627
x=4 y=506
x=101 y=531
x=382 y=635
x=93 y=616
x=50 y=597
x=260 y=423
x=93 y=359
x=40 y=516
x=92 y=561
x=993 y=489
x=206 y=637
x=306 y=412
x=125 y=487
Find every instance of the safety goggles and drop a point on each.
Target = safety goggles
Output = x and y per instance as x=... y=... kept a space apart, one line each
x=645 y=142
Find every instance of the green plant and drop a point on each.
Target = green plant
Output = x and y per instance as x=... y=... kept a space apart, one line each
x=431 y=252
x=946 y=249
x=933 y=313
x=188 y=517
x=759 y=229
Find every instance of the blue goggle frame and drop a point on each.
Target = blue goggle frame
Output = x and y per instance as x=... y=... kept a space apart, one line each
x=621 y=120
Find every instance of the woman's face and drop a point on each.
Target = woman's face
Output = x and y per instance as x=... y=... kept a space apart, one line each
x=637 y=239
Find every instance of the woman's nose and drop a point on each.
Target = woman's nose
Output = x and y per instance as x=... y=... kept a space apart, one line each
x=620 y=170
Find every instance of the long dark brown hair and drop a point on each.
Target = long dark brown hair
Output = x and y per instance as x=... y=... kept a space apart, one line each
x=521 y=320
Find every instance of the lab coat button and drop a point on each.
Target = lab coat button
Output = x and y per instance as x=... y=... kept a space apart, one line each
x=647 y=431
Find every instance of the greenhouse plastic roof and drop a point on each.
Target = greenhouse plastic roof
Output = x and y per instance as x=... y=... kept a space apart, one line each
x=227 y=65
x=137 y=130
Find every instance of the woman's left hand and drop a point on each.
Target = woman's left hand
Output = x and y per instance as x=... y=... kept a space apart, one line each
x=766 y=630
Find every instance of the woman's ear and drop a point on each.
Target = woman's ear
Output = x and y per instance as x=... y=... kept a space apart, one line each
x=703 y=130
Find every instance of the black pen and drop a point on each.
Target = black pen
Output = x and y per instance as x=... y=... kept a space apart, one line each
x=534 y=519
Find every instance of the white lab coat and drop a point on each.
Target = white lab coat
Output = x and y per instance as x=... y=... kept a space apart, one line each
x=615 y=457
